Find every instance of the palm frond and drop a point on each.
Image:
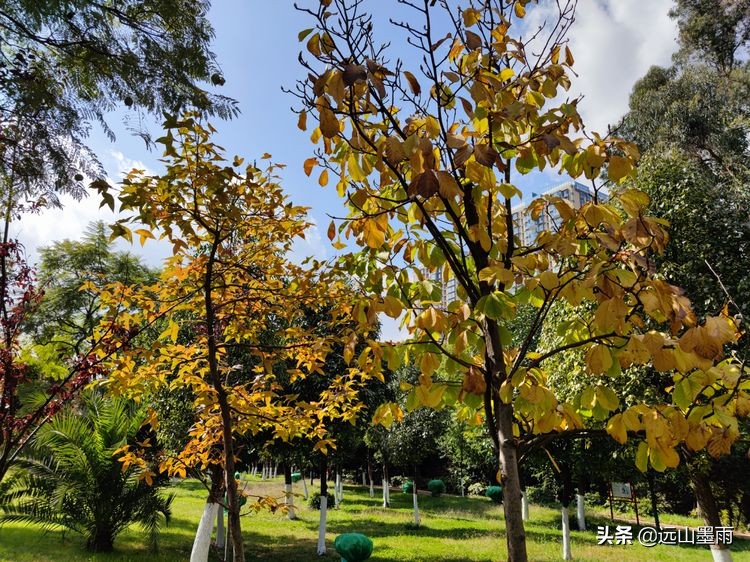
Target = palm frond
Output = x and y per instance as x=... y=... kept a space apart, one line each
x=69 y=477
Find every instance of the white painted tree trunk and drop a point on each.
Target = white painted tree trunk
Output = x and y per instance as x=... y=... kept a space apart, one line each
x=275 y=470
x=289 y=500
x=580 y=512
x=388 y=491
x=304 y=487
x=255 y=470
x=417 y=520
x=338 y=490
x=221 y=532
x=372 y=489
x=364 y=479
x=264 y=472
x=524 y=506
x=386 y=499
x=322 y=526
x=566 y=534
x=721 y=554
x=202 y=542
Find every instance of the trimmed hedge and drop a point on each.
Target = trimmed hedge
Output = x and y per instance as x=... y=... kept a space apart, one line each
x=407 y=487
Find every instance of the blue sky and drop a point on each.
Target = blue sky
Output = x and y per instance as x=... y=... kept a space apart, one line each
x=614 y=43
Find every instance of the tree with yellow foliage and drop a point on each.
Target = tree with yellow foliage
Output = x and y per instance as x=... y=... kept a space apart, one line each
x=233 y=294
x=426 y=161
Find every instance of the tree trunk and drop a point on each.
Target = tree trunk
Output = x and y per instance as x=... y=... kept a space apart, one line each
x=524 y=506
x=709 y=510
x=415 y=499
x=305 y=493
x=338 y=489
x=566 y=498
x=652 y=493
x=499 y=420
x=323 y=508
x=369 y=474
x=221 y=532
x=102 y=541
x=508 y=458
x=386 y=495
x=289 y=493
x=233 y=506
x=580 y=512
x=202 y=541
x=566 y=533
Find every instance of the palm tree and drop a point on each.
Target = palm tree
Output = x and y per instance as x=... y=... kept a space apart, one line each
x=71 y=476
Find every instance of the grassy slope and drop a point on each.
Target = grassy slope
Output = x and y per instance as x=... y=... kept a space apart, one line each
x=454 y=529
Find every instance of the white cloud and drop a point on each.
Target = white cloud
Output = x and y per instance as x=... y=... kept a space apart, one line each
x=51 y=225
x=37 y=230
x=614 y=43
x=124 y=164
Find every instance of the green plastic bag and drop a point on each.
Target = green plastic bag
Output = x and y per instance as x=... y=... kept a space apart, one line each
x=353 y=547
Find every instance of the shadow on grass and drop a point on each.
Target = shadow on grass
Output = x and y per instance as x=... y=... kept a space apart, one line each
x=293 y=549
x=477 y=506
x=377 y=528
x=31 y=542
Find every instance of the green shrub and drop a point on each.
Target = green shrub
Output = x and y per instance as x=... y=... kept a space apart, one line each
x=314 y=501
x=436 y=487
x=407 y=487
x=495 y=493
x=477 y=489
x=542 y=495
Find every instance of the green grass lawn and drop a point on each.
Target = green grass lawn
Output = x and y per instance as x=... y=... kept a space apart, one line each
x=453 y=529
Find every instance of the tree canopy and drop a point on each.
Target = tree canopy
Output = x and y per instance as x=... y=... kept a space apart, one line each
x=65 y=66
x=426 y=160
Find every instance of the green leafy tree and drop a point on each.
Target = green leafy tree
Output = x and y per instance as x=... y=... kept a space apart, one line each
x=715 y=31
x=468 y=449
x=695 y=170
x=67 y=65
x=70 y=476
x=70 y=273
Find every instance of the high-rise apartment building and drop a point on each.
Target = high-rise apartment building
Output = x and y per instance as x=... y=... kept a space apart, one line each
x=526 y=228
